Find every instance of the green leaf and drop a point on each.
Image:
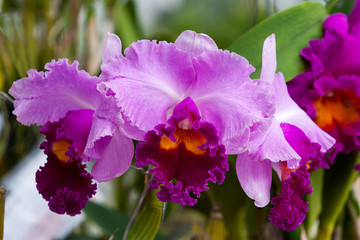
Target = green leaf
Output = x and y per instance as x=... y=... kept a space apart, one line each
x=293 y=29
x=148 y=221
x=109 y=220
x=315 y=207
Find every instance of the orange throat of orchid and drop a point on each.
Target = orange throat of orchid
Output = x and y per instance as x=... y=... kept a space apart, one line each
x=60 y=148
x=191 y=140
x=337 y=108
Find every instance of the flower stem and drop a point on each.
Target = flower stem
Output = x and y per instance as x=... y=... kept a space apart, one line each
x=2 y=210
x=138 y=207
x=6 y=97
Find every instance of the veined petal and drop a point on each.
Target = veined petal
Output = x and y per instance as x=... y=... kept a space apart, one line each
x=195 y=43
x=226 y=96
x=151 y=79
x=287 y=111
x=115 y=159
x=262 y=147
x=254 y=178
x=43 y=97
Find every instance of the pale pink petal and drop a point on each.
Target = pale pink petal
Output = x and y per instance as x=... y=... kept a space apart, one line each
x=268 y=59
x=112 y=47
x=272 y=146
x=195 y=43
x=116 y=158
x=254 y=178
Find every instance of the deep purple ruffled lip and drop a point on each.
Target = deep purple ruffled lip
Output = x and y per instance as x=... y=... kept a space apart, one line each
x=290 y=209
x=63 y=181
x=184 y=160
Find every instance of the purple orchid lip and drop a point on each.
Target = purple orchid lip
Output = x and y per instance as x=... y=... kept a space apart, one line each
x=290 y=209
x=184 y=160
x=63 y=181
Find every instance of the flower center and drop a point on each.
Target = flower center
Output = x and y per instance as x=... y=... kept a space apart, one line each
x=191 y=139
x=340 y=107
x=59 y=148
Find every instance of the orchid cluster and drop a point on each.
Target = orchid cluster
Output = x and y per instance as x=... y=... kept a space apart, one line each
x=189 y=104
x=329 y=91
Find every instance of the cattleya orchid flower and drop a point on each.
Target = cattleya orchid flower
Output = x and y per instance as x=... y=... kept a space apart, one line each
x=291 y=144
x=195 y=102
x=80 y=124
x=329 y=91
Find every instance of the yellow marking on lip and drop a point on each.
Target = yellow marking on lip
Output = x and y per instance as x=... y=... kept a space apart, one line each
x=59 y=148
x=192 y=140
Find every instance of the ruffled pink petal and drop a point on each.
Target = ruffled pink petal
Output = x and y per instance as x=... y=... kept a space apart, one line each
x=195 y=43
x=226 y=96
x=43 y=97
x=150 y=80
x=115 y=159
x=254 y=178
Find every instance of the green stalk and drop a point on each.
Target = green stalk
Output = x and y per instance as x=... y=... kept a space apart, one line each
x=338 y=183
x=330 y=4
x=2 y=210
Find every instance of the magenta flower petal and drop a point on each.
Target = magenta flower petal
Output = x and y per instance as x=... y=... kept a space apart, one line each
x=148 y=81
x=195 y=43
x=255 y=178
x=226 y=96
x=184 y=160
x=43 y=97
x=76 y=127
